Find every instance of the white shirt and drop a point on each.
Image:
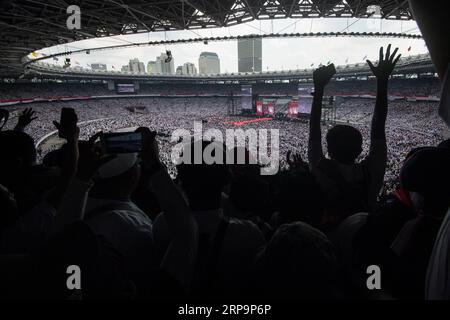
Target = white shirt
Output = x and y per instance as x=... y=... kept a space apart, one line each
x=129 y=231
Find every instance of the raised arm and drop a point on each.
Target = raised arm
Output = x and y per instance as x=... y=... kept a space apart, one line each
x=70 y=132
x=73 y=202
x=322 y=77
x=25 y=119
x=179 y=258
x=377 y=158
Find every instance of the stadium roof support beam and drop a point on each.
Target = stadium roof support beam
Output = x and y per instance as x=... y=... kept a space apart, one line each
x=36 y=23
x=130 y=11
x=401 y=5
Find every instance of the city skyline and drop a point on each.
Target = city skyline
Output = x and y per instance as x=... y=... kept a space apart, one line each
x=161 y=65
x=297 y=53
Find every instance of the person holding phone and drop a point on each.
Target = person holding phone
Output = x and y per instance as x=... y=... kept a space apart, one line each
x=351 y=187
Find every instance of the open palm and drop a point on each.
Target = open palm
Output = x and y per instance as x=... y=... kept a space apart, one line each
x=386 y=64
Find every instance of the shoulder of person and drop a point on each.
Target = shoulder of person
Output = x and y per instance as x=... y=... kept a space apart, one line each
x=246 y=227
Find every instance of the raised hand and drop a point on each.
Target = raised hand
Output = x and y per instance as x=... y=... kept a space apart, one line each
x=386 y=64
x=25 y=119
x=323 y=75
x=67 y=128
x=295 y=161
x=150 y=149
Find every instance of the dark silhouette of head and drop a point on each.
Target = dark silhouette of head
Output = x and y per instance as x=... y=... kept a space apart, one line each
x=445 y=144
x=426 y=175
x=242 y=162
x=203 y=181
x=18 y=155
x=300 y=199
x=299 y=262
x=250 y=194
x=344 y=143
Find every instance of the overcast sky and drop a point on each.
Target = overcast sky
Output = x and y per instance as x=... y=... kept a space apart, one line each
x=278 y=54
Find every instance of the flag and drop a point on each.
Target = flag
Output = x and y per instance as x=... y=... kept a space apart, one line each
x=409 y=49
x=312 y=64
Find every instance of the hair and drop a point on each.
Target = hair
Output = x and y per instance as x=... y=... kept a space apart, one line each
x=344 y=143
x=300 y=199
x=203 y=183
x=445 y=144
x=250 y=194
x=300 y=262
x=18 y=146
x=427 y=172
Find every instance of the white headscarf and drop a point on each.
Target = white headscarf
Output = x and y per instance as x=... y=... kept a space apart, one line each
x=120 y=164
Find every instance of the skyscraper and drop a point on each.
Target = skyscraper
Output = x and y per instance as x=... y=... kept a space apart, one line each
x=209 y=63
x=250 y=55
x=189 y=68
x=136 y=66
x=179 y=70
x=163 y=67
x=151 y=67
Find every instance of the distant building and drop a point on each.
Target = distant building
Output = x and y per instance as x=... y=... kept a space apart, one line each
x=151 y=67
x=209 y=63
x=189 y=68
x=99 y=66
x=125 y=68
x=136 y=66
x=250 y=55
x=163 y=67
x=179 y=70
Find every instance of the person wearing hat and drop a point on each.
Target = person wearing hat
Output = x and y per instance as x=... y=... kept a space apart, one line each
x=99 y=193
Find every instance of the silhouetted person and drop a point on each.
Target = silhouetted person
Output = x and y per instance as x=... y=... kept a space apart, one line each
x=299 y=262
x=227 y=246
x=351 y=186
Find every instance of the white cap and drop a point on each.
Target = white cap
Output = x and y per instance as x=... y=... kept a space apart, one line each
x=120 y=164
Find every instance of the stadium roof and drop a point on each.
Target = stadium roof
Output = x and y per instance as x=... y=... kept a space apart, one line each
x=412 y=65
x=29 y=25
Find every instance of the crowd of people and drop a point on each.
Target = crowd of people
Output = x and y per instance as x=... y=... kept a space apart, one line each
x=410 y=124
x=424 y=86
x=140 y=226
